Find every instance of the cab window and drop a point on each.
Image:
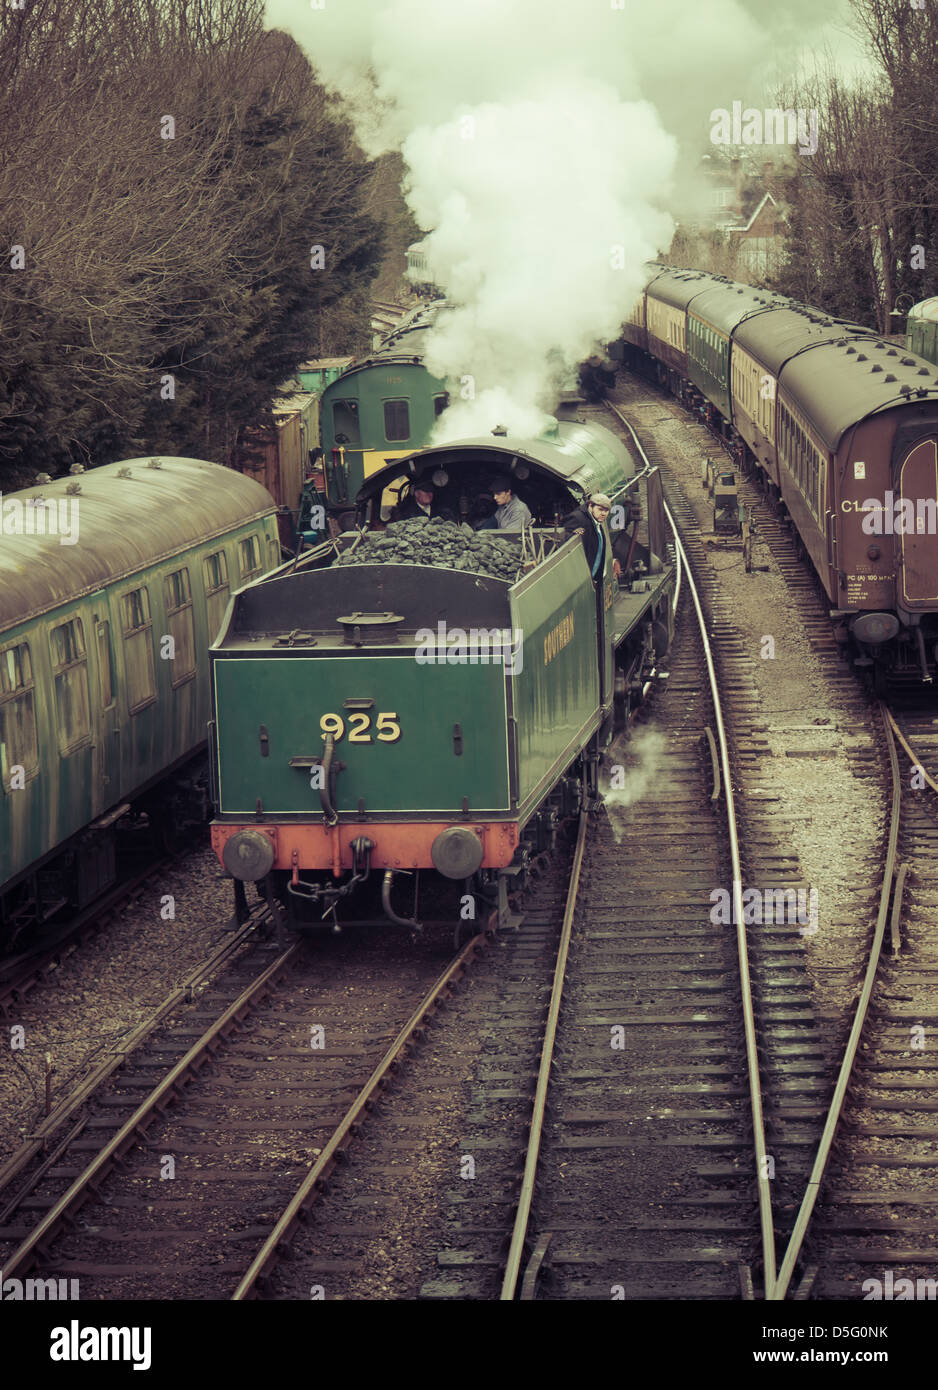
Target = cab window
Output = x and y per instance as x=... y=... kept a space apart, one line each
x=345 y=422
x=396 y=420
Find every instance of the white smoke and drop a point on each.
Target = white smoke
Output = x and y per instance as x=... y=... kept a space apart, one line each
x=541 y=229
x=536 y=159
x=634 y=761
x=540 y=183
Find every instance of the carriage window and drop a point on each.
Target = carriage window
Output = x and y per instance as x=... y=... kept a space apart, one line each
x=440 y=403
x=19 y=745
x=105 y=667
x=177 y=595
x=216 y=590
x=345 y=422
x=249 y=557
x=138 y=649
x=396 y=420
x=70 y=671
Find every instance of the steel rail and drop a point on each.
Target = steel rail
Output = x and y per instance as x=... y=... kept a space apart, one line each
x=115 y=1055
x=126 y=1134
x=916 y=762
x=313 y=1185
x=796 y=1241
x=749 y=1021
x=539 y=1109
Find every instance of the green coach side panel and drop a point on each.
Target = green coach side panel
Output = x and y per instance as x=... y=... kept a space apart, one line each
x=708 y=362
x=922 y=329
x=415 y=764
x=556 y=693
x=83 y=747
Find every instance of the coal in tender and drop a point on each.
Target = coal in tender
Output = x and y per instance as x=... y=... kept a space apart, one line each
x=436 y=541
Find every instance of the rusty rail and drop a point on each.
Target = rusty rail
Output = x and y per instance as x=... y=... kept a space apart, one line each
x=312 y=1186
x=813 y=1188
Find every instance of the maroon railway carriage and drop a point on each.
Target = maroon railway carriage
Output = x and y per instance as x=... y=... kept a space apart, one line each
x=842 y=424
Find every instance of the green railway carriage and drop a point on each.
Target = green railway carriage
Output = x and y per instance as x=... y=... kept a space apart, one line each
x=416 y=716
x=112 y=585
x=380 y=408
x=712 y=318
x=922 y=329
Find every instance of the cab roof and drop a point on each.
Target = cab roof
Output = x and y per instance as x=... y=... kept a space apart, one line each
x=585 y=456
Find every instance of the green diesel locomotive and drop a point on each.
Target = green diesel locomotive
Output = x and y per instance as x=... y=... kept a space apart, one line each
x=382 y=407
x=374 y=714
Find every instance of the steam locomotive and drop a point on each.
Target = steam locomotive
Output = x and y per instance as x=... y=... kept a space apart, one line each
x=377 y=716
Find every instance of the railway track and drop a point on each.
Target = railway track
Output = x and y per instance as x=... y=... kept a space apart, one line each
x=873 y=1180
x=220 y=1129
x=433 y=1180
x=573 y=1141
x=865 y=1219
x=22 y=1169
x=654 y=1172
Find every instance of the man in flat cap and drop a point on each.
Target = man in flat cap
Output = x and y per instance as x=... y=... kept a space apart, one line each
x=511 y=513
x=423 y=500
x=590 y=518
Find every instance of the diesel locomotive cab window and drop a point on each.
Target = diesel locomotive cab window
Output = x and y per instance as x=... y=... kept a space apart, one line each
x=19 y=745
x=345 y=422
x=396 y=420
x=216 y=590
x=177 y=595
x=249 y=557
x=440 y=403
x=70 y=669
x=138 y=649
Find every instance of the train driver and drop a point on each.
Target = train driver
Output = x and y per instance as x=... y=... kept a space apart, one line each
x=423 y=501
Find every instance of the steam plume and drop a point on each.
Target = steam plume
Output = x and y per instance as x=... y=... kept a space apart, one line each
x=536 y=158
